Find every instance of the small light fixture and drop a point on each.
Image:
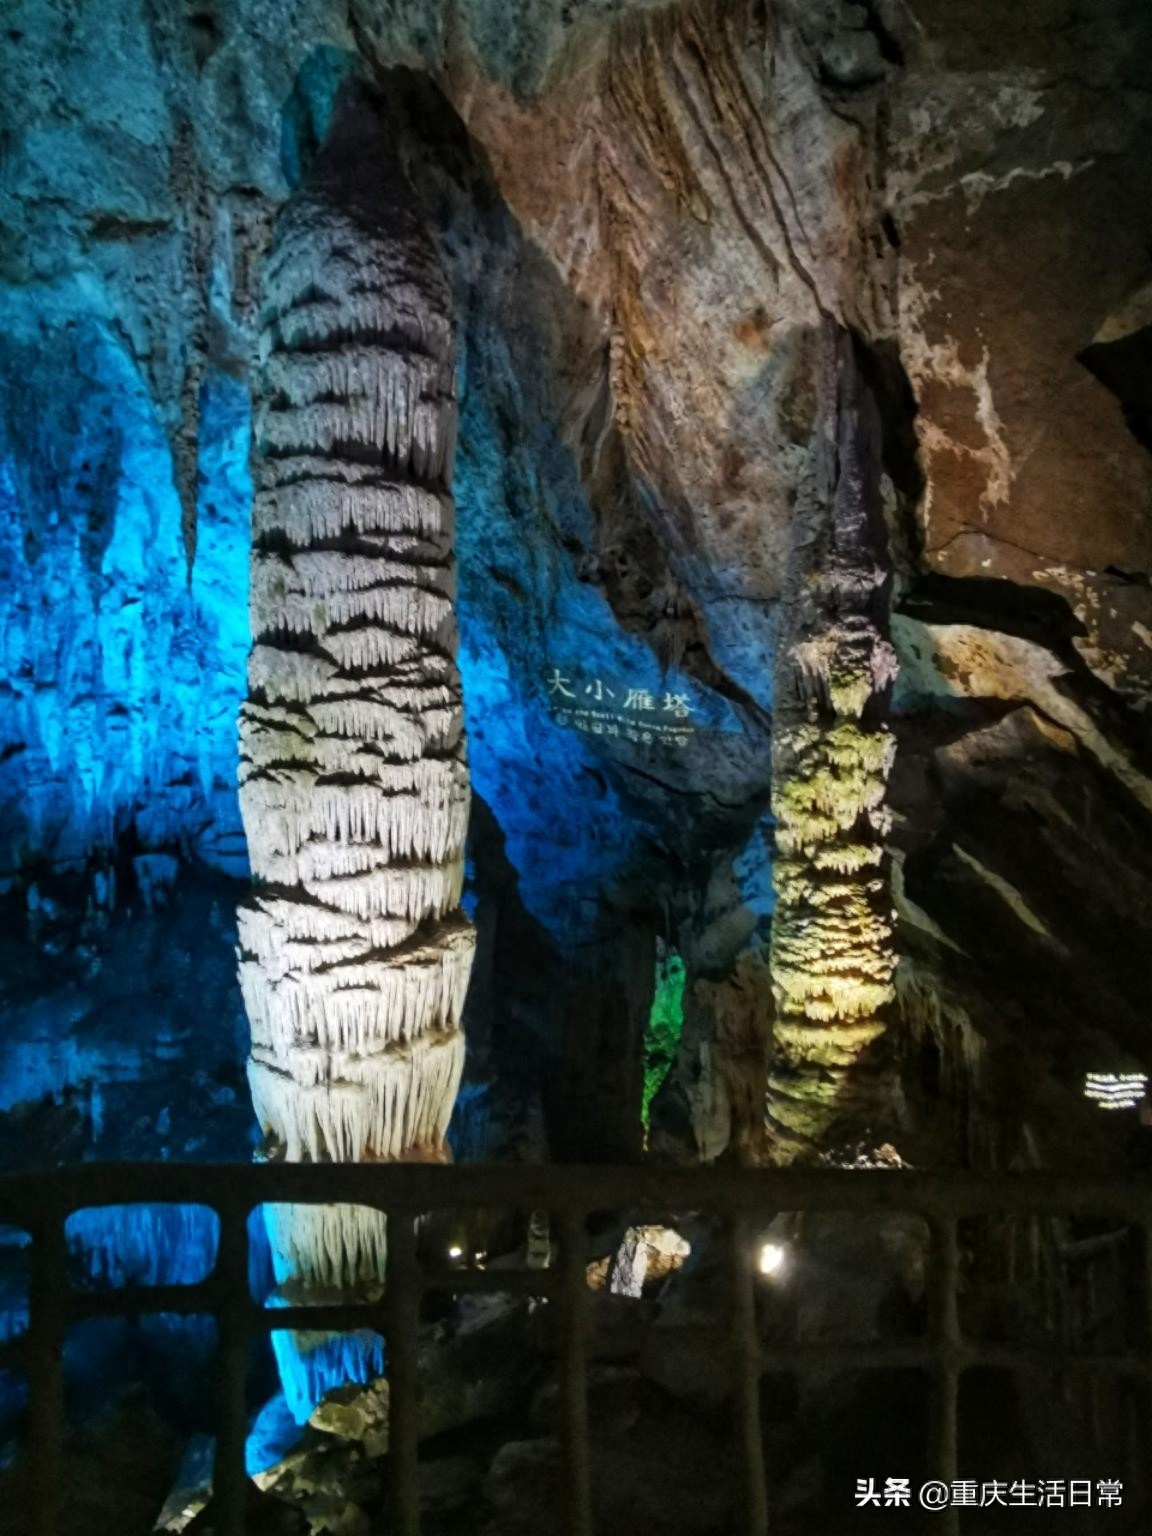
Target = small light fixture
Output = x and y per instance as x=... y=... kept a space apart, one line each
x=1116 y=1090
x=772 y=1256
x=455 y=1252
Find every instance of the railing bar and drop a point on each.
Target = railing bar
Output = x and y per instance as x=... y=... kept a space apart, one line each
x=339 y=1317
x=915 y=1354
x=185 y=1300
x=576 y=1465
x=423 y=1187
x=946 y=1339
x=1042 y=1362
x=141 y=1299
x=494 y=1282
x=350 y=1317
x=47 y=1321
x=402 y=1331
x=943 y=1199
x=1146 y=1341
x=336 y=1317
x=230 y=1477
x=746 y=1364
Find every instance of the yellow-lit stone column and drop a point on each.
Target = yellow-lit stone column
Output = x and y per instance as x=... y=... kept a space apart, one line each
x=833 y=955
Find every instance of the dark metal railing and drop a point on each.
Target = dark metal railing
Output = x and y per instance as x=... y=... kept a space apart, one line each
x=41 y=1203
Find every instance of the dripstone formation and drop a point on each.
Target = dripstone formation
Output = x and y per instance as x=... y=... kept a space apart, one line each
x=355 y=956
x=833 y=953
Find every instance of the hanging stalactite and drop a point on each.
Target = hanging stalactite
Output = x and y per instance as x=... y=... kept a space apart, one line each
x=354 y=955
x=833 y=957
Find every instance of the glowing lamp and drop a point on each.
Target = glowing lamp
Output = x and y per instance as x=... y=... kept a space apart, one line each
x=455 y=1252
x=1115 y=1090
x=772 y=1257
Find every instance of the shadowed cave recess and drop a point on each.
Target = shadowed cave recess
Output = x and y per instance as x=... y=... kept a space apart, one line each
x=575 y=591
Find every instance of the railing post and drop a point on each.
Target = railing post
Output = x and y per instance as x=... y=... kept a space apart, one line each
x=745 y=1345
x=1146 y=1321
x=230 y=1474
x=47 y=1321
x=42 y=1209
x=574 y=1374
x=946 y=1339
x=402 y=1333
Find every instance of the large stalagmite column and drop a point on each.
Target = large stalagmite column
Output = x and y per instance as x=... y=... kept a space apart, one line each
x=354 y=787
x=833 y=956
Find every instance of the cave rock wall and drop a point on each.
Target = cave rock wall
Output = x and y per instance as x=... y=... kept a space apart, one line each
x=647 y=215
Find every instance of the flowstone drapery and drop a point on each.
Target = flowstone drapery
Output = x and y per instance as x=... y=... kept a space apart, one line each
x=833 y=957
x=354 y=786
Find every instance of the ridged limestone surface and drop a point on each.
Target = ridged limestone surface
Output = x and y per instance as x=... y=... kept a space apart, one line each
x=355 y=957
x=833 y=954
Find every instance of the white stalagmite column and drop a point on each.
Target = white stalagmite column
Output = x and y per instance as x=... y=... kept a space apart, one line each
x=354 y=954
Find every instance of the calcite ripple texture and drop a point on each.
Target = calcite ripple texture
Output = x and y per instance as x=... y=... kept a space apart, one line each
x=833 y=952
x=354 y=954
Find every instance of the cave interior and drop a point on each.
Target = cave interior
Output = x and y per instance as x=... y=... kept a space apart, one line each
x=575 y=593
